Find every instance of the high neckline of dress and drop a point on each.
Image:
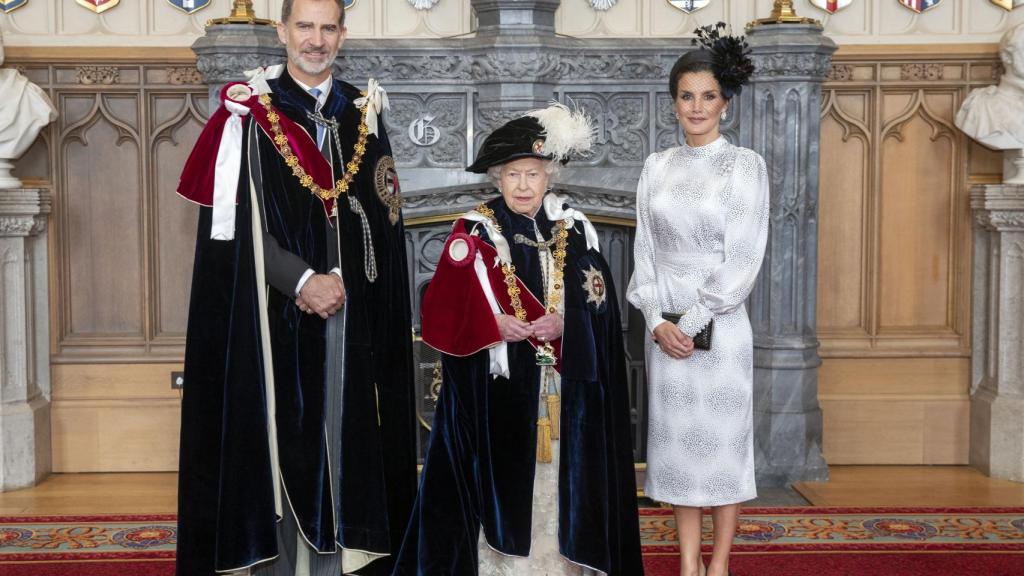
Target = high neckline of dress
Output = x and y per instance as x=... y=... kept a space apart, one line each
x=706 y=150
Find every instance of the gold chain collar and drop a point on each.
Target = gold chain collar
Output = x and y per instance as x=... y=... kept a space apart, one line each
x=554 y=297
x=351 y=169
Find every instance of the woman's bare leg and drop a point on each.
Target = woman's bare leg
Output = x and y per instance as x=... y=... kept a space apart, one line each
x=688 y=524
x=725 y=519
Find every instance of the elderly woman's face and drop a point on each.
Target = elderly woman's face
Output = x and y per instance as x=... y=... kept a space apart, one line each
x=523 y=183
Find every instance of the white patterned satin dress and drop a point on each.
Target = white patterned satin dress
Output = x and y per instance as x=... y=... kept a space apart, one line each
x=702 y=226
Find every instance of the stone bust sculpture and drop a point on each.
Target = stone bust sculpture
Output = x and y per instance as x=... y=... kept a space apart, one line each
x=994 y=115
x=24 y=110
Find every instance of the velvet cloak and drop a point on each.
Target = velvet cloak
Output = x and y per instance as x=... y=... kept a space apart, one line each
x=227 y=514
x=482 y=456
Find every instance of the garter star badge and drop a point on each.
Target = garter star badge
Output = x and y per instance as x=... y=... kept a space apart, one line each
x=595 y=286
x=389 y=191
x=831 y=6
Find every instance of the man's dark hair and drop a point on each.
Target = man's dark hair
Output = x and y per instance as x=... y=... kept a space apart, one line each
x=286 y=10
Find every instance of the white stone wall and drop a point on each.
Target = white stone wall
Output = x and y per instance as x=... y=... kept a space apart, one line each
x=158 y=23
x=862 y=22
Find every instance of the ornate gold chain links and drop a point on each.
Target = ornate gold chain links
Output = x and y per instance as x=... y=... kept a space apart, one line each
x=554 y=297
x=351 y=169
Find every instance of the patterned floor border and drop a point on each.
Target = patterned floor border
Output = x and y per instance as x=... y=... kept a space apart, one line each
x=811 y=529
x=761 y=530
x=87 y=538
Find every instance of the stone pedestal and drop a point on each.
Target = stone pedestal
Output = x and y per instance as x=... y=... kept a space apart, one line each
x=997 y=360
x=511 y=74
x=228 y=50
x=781 y=120
x=24 y=339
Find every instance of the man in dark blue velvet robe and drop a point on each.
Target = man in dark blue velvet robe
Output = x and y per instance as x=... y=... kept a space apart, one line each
x=297 y=443
x=490 y=491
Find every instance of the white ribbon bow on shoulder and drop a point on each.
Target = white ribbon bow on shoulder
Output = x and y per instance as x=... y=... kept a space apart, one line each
x=376 y=101
x=555 y=210
x=258 y=77
x=228 y=164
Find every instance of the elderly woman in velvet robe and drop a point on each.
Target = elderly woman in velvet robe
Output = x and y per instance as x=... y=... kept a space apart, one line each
x=529 y=468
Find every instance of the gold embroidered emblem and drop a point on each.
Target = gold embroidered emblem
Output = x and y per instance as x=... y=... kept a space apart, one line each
x=389 y=191
x=595 y=286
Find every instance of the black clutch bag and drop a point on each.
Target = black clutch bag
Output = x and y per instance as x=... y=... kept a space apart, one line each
x=702 y=340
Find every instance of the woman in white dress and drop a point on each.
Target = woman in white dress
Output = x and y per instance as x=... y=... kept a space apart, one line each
x=702 y=226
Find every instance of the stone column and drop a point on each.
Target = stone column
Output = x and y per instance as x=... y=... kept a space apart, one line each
x=997 y=360
x=228 y=50
x=515 y=60
x=509 y=17
x=781 y=121
x=24 y=339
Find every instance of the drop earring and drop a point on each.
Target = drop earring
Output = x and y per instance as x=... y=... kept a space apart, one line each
x=724 y=114
x=677 y=115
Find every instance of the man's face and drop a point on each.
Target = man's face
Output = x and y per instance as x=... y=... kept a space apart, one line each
x=312 y=36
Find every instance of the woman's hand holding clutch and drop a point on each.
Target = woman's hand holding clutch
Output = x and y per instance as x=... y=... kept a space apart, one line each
x=513 y=329
x=672 y=341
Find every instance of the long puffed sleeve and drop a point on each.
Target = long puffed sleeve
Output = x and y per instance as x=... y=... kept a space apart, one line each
x=746 y=235
x=643 y=285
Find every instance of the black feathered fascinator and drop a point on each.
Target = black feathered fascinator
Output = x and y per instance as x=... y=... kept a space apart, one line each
x=729 y=56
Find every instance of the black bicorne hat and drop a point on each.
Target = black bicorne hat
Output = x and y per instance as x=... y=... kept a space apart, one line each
x=554 y=133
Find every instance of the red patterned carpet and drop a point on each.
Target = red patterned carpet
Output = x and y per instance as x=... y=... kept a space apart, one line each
x=855 y=541
x=771 y=542
x=87 y=545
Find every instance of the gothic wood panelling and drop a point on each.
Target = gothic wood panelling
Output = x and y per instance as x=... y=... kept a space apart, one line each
x=121 y=250
x=122 y=241
x=894 y=257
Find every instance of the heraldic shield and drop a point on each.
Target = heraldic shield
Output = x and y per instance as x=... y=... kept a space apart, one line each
x=11 y=5
x=190 y=6
x=831 y=6
x=98 y=6
x=689 y=5
x=920 y=5
x=1008 y=4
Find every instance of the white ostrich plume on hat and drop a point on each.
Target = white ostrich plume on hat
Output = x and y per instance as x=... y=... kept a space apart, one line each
x=566 y=131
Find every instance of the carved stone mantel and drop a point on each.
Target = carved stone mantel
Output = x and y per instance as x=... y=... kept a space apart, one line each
x=997 y=360
x=24 y=339
x=447 y=94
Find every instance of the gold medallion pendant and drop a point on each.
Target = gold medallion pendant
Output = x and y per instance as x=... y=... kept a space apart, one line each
x=546 y=355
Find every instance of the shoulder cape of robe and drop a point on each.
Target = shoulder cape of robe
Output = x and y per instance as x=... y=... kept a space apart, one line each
x=482 y=456
x=227 y=506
